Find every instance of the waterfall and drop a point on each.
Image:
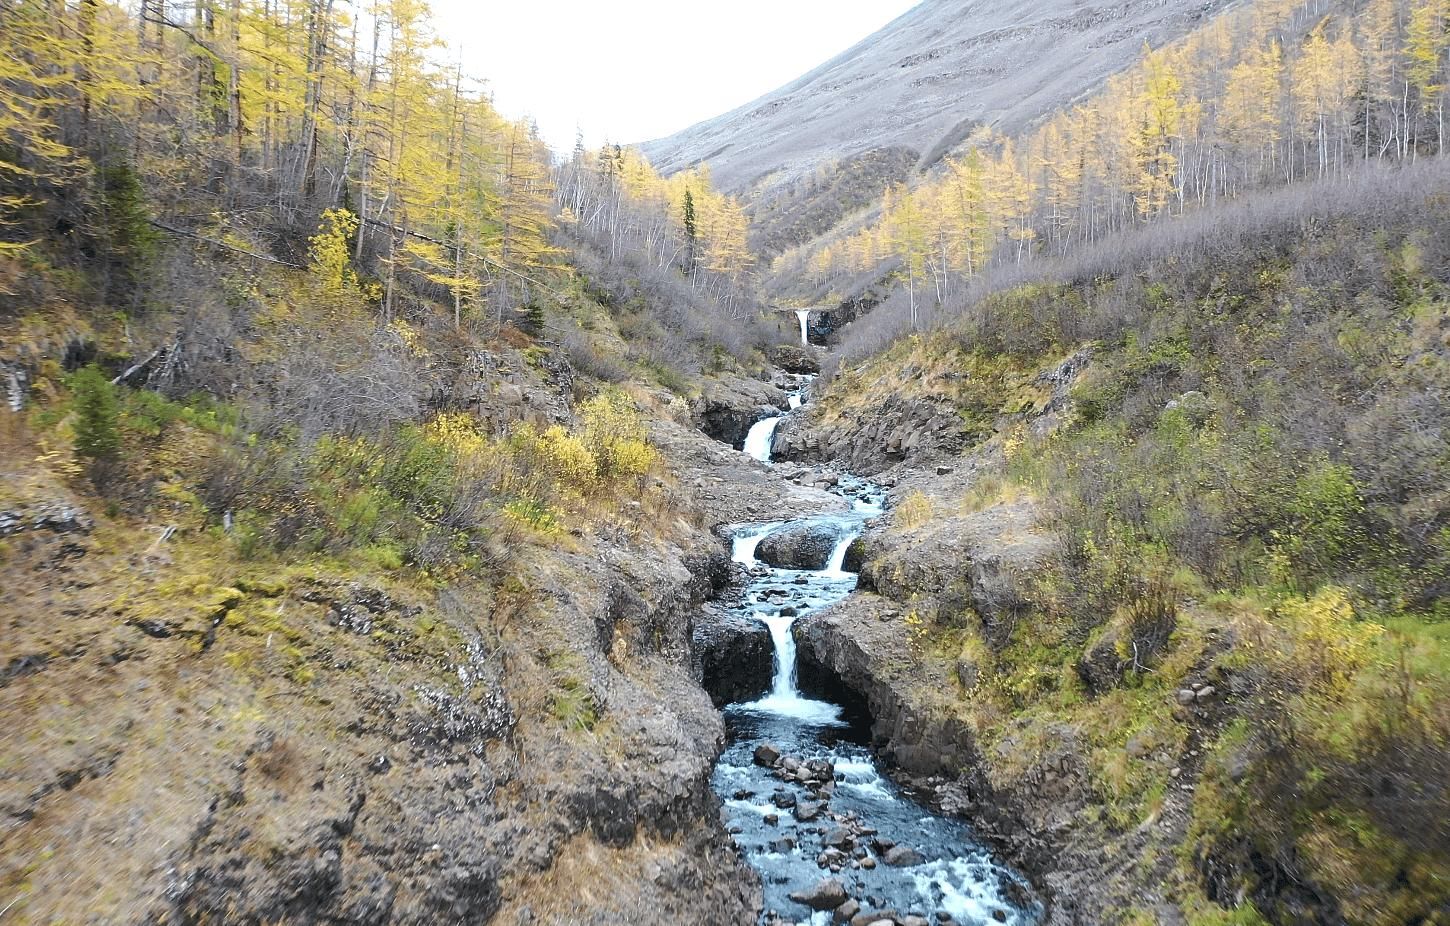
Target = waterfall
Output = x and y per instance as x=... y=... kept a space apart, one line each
x=743 y=547
x=760 y=438
x=835 y=568
x=784 y=687
x=805 y=316
x=15 y=392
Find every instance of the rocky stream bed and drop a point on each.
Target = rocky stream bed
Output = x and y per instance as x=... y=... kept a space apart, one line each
x=833 y=838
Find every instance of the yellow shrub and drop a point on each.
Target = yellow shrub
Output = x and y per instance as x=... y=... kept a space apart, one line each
x=1328 y=645
x=914 y=512
x=617 y=435
x=456 y=432
x=568 y=458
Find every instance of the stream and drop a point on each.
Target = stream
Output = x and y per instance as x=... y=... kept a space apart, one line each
x=803 y=796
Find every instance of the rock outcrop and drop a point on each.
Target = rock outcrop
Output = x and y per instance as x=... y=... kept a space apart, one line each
x=732 y=656
x=863 y=645
x=903 y=428
x=802 y=546
x=729 y=406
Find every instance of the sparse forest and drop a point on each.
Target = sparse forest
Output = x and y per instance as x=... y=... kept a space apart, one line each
x=1273 y=94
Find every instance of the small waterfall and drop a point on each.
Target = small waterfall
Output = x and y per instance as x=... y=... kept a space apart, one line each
x=760 y=438
x=784 y=688
x=796 y=400
x=805 y=317
x=15 y=391
x=743 y=547
x=835 y=567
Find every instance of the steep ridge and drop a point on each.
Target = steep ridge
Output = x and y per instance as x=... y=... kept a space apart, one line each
x=815 y=149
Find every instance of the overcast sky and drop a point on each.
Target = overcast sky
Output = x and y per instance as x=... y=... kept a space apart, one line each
x=634 y=70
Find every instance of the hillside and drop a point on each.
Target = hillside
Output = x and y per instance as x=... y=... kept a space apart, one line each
x=900 y=99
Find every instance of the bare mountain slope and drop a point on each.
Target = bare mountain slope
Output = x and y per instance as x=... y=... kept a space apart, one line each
x=905 y=96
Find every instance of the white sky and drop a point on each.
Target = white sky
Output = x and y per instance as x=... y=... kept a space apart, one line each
x=635 y=70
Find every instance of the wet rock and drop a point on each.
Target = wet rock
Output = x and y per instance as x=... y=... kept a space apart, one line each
x=766 y=755
x=827 y=894
x=783 y=799
x=903 y=857
x=845 y=911
x=803 y=546
x=837 y=838
x=912 y=920
x=732 y=656
x=56 y=518
x=806 y=811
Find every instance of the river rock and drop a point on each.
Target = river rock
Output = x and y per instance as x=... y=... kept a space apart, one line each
x=837 y=838
x=903 y=857
x=766 y=755
x=825 y=895
x=806 y=811
x=845 y=911
x=802 y=546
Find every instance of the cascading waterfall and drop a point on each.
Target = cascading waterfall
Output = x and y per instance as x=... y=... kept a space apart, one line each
x=952 y=876
x=760 y=438
x=805 y=319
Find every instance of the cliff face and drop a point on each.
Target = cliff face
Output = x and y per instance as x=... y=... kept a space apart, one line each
x=812 y=151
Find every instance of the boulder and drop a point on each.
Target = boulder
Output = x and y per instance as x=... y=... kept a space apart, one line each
x=802 y=546
x=825 y=895
x=732 y=656
x=837 y=838
x=903 y=857
x=766 y=755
